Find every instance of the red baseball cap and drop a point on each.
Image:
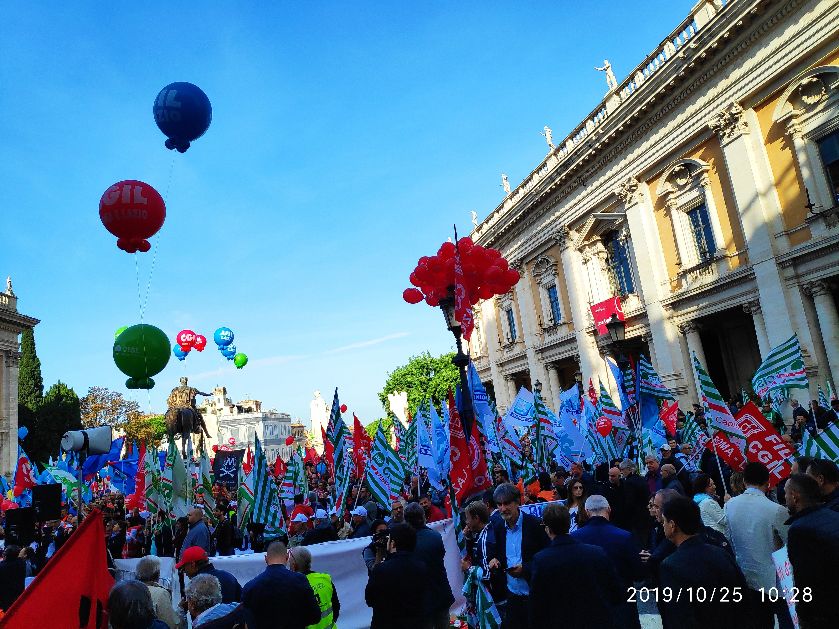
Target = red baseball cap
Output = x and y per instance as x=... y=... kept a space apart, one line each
x=193 y=553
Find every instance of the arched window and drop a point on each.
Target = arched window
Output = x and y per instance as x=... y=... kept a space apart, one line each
x=618 y=264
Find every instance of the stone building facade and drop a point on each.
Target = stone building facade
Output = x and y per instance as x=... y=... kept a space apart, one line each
x=702 y=191
x=244 y=420
x=12 y=323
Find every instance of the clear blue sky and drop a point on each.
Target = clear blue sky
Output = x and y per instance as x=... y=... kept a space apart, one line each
x=347 y=138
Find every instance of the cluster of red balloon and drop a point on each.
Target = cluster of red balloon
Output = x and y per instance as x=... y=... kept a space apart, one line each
x=186 y=341
x=134 y=211
x=486 y=273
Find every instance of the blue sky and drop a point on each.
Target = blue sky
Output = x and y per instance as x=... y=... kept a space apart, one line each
x=347 y=138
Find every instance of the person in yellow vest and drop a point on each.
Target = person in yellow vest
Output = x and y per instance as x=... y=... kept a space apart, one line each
x=300 y=560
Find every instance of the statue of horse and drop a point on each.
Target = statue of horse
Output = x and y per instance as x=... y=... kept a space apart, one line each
x=182 y=416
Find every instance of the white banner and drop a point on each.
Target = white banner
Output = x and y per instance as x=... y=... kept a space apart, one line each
x=783 y=568
x=342 y=560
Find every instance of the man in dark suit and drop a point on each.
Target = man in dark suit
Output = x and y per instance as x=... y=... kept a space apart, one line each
x=696 y=571
x=518 y=537
x=813 y=547
x=280 y=598
x=397 y=585
x=431 y=551
x=620 y=549
x=587 y=605
x=12 y=576
x=637 y=494
x=826 y=473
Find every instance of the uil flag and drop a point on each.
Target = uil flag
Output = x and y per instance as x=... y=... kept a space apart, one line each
x=462 y=307
x=266 y=505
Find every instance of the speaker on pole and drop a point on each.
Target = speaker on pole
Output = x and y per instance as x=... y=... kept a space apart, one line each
x=91 y=441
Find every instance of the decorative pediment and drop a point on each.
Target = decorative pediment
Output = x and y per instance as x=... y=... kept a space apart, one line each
x=681 y=178
x=596 y=225
x=544 y=268
x=807 y=92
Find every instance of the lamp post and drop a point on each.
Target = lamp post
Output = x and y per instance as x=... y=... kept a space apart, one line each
x=617 y=335
x=578 y=378
x=460 y=360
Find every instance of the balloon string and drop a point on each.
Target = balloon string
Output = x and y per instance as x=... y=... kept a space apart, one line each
x=139 y=293
x=157 y=242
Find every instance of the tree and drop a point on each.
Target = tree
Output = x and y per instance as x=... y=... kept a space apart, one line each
x=30 y=391
x=58 y=413
x=422 y=378
x=148 y=429
x=372 y=427
x=103 y=407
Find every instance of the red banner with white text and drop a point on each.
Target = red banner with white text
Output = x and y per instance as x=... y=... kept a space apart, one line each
x=764 y=443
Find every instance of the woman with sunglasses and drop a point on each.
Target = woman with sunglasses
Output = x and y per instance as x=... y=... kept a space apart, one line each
x=577 y=495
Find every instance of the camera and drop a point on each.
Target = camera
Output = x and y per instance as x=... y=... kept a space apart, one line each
x=380 y=539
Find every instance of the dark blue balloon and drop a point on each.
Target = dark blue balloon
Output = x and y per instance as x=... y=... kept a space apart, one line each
x=183 y=112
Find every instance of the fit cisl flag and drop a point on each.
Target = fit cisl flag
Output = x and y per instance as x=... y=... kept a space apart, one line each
x=72 y=589
x=226 y=467
x=764 y=444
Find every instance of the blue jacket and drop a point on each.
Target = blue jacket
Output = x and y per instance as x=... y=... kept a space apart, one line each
x=231 y=591
x=197 y=535
x=586 y=605
x=281 y=599
x=618 y=545
x=533 y=539
x=813 y=547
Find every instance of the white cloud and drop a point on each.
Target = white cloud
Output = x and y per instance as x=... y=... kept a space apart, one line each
x=360 y=344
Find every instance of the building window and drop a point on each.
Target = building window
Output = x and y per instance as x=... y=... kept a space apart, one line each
x=553 y=300
x=829 y=149
x=617 y=260
x=703 y=233
x=511 y=324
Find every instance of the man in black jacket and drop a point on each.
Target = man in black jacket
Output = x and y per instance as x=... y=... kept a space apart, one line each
x=12 y=576
x=223 y=536
x=708 y=587
x=280 y=598
x=637 y=495
x=518 y=537
x=194 y=561
x=396 y=586
x=586 y=605
x=431 y=551
x=323 y=531
x=826 y=473
x=813 y=547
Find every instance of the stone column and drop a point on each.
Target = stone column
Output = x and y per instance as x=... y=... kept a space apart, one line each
x=8 y=402
x=490 y=329
x=753 y=308
x=556 y=388
x=751 y=182
x=527 y=310
x=590 y=363
x=694 y=343
x=653 y=282
x=828 y=322
x=512 y=390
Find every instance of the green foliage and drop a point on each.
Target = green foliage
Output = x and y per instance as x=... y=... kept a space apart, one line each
x=30 y=392
x=372 y=427
x=422 y=378
x=148 y=429
x=103 y=407
x=58 y=413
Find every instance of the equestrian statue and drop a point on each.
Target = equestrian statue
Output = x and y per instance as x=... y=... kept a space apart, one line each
x=182 y=416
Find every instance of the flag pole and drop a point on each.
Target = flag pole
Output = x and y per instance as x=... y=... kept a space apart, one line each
x=719 y=465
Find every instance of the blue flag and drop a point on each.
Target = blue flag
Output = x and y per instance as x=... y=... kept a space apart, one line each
x=96 y=462
x=440 y=439
x=483 y=411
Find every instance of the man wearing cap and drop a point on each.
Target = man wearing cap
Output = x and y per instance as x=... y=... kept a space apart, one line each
x=323 y=531
x=297 y=529
x=194 y=561
x=360 y=525
x=198 y=533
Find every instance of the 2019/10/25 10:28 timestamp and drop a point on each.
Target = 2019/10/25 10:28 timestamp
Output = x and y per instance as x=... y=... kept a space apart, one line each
x=791 y=595
x=715 y=595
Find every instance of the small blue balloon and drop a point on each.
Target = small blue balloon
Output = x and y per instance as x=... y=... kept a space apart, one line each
x=178 y=352
x=229 y=352
x=223 y=337
x=22 y=432
x=183 y=112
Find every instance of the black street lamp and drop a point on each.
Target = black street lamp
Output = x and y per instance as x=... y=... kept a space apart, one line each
x=617 y=335
x=578 y=378
x=460 y=360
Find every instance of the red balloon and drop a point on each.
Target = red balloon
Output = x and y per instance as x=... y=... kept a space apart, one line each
x=132 y=211
x=502 y=264
x=485 y=292
x=494 y=275
x=412 y=295
x=343 y=408
x=464 y=245
x=289 y=440
x=604 y=426
x=512 y=277
x=186 y=339
x=414 y=279
x=432 y=300
x=447 y=250
x=215 y=448
x=200 y=342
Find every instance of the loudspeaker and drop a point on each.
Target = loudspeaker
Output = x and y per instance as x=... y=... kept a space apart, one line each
x=46 y=500
x=20 y=526
x=94 y=440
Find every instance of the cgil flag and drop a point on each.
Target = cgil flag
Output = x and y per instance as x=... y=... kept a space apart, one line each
x=782 y=370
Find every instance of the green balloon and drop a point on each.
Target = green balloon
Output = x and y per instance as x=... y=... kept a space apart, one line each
x=120 y=331
x=240 y=360
x=141 y=352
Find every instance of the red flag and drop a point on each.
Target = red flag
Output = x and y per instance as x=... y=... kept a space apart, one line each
x=462 y=307
x=311 y=456
x=727 y=451
x=72 y=589
x=280 y=468
x=669 y=415
x=361 y=447
x=328 y=452
x=469 y=470
x=764 y=444
x=247 y=464
x=25 y=474
x=480 y=468
x=592 y=394
x=138 y=498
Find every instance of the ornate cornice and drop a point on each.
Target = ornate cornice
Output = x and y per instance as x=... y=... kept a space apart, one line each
x=730 y=123
x=816 y=288
x=752 y=307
